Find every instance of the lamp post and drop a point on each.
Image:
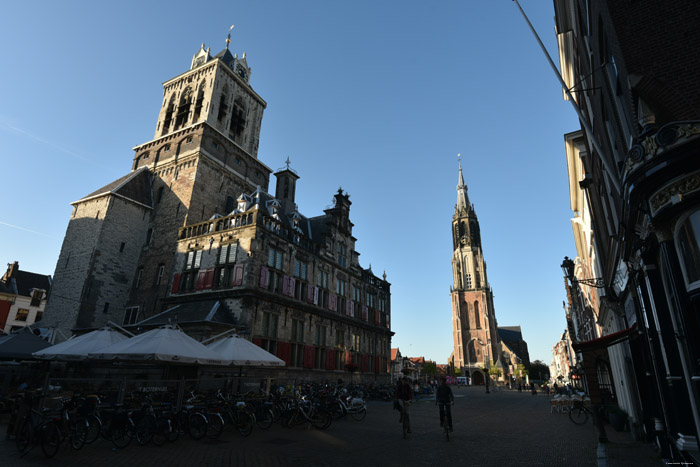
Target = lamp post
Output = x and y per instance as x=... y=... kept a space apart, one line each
x=487 y=365
x=469 y=361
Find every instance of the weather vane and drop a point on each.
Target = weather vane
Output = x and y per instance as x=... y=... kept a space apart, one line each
x=288 y=162
x=228 y=38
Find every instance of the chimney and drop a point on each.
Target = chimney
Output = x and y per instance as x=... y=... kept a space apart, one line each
x=11 y=271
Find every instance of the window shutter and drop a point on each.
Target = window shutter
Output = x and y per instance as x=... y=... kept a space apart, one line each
x=351 y=308
x=310 y=294
x=285 y=285
x=257 y=341
x=290 y=288
x=315 y=295
x=176 y=283
x=264 y=276
x=284 y=351
x=333 y=302
x=330 y=359
x=201 y=276
x=308 y=356
x=348 y=358
x=238 y=274
x=364 y=312
x=208 y=278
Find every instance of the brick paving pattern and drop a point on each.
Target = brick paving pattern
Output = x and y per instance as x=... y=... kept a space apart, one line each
x=505 y=428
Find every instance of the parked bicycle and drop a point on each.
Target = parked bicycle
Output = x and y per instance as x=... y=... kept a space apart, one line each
x=579 y=412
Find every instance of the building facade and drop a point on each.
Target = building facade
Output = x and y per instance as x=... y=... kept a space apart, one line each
x=631 y=69
x=476 y=342
x=191 y=233
x=22 y=298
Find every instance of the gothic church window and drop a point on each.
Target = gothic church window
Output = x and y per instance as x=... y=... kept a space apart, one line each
x=476 y=315
x=183 y=108
x=237 y=120
x=168 y=115
x=223 y=106
x=199 y=103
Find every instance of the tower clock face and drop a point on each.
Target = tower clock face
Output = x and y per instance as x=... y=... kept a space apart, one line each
x=242 y=72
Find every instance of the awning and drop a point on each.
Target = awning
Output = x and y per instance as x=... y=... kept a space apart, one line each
x=605 y=341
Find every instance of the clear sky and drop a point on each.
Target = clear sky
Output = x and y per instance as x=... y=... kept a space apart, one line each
x=376 y=97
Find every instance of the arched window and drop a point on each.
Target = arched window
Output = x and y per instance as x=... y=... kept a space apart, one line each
x=688 y=248
x=230 y=205
x=183 y=108
x=200 y=102
x=168 y=115
x=477 y=318
x=237 y=119
x=223 y=106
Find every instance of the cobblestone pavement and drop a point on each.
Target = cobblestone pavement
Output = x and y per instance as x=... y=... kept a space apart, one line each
x=505 y=428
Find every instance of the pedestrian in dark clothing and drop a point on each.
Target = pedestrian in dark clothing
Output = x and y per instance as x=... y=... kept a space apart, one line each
x=445 y=399
x=404 y=394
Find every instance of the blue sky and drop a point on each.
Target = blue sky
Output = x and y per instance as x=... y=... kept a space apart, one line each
x=376 y=97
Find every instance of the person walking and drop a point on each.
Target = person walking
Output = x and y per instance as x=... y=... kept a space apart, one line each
x=445 y=399
x=404 y=395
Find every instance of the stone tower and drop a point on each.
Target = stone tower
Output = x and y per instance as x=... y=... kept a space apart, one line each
x=473 y=318
x=117 y=256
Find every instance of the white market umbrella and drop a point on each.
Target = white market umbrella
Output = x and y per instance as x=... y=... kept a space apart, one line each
x=166 y=344
x=78 y=348
x=242 y=352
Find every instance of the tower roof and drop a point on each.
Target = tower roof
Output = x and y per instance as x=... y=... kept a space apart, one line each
x=462 y=197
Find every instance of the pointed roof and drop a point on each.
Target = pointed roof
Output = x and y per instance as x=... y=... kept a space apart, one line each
x=462 y=197
x=134 y=186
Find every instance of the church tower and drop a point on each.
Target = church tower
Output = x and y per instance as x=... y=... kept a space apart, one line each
x=473 y=317
x=116 y=260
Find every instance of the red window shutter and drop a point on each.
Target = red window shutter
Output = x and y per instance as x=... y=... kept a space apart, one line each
x=310 y=294
x=333 y=302
x=292 y=284
x=376 y=365
x=347 y=307
x=315 y=295
x=284 y=351
x=238 y=274
x=330 y=359
x=264 y=277
x=348 y=358
x=364 y=312
x=208 y=278
x=308 y=356
x=176 y=283
x=257 y=341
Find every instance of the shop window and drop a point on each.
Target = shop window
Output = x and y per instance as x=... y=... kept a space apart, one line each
x=688 y=247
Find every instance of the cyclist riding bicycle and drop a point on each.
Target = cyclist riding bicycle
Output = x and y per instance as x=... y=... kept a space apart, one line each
x=445 y=399
x=404 y=394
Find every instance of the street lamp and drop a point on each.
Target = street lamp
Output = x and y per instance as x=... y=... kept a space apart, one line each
x=568 y=267
x=487 y=365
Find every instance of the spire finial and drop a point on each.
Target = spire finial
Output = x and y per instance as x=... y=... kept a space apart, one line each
x=228 y=38
x=459 y=160
x=287 y=162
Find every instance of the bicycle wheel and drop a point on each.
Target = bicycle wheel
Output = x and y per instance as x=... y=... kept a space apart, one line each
x=358 y=414
x=174 y=429
x=78 y=432
x=23 y=436
x=160 y=434
x=94 y=428
x=197 y=425
x=447 y=431
x=245 y=423
x=336 y=410
x=264 y=418
x=215 y=425
x=321 y=420
x=578 y=415
x=50 y=439
x=120 y=433
x=145 y=428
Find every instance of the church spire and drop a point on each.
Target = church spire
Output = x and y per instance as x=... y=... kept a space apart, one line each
x=462 y=197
